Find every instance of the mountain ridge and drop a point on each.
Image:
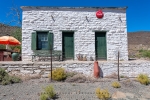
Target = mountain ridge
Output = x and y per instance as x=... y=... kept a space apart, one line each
x=7 y=29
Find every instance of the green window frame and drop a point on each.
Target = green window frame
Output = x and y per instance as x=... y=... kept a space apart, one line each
x=42 y=40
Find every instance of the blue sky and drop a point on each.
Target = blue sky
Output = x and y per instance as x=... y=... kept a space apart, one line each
x=138 y=11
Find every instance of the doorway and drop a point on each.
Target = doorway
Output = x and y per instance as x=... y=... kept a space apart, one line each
x=100 y=45
x=68 y=45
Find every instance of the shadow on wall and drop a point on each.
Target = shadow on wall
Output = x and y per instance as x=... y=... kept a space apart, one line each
x=101 y=72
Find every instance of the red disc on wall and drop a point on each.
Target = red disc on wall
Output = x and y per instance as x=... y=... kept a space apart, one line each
x=99 y=14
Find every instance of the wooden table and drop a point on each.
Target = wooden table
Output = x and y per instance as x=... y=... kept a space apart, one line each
x=5 y=55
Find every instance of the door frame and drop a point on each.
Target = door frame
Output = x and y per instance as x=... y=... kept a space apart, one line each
x=63 y=46
x=96 y=58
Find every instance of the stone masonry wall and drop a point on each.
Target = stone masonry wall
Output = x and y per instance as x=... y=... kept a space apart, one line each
x=129 y=68
x=83 y=22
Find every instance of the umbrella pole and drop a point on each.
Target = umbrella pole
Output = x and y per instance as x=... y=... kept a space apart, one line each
x=7 y=46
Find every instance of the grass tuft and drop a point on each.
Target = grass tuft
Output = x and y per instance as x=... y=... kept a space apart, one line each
x=102 y=94
x=143 y=79
x=116 y=84
x=5 y=78
x=49 y=93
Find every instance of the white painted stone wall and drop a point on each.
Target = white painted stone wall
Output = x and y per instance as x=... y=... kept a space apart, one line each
x=83 y=22
x=127 y=68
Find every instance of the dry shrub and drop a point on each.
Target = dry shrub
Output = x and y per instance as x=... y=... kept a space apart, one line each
x=113 y=75
x=31 y=76
x=5 y=78
x=25 y=77
x=123 y=76
x=102 y=94
x=128 y=83
x=58 y=74
x=79 y=78
x=116 y=84
x=48 y=94
x=43 y=96
x=70 y=73
x=143 y=79
x=92 y=79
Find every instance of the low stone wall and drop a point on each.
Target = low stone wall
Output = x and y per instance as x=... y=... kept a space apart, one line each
x=127 y=68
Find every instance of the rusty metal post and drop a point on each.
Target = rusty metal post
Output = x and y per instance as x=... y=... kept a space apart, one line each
x=51 y=63
x=118 y=67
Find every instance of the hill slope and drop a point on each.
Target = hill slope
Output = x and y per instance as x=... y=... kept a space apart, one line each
x=7 y=30
x=141 y=37
x=138 y=41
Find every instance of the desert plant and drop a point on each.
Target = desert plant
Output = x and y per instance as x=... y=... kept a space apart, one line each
x=5 y=82
x=102 y=94
x=14 y=79
x=26 y=77
x=49 y=93
x=79 y=78
x=112 y=75
x=6 y=79
x=10 y=79
x=144 y=53
x=49 y=90
x=116 y=84
x=43 y=96
x=70 y=73
x=143 y=79
x=3 y=72
x=123 y=76
x=58 y=74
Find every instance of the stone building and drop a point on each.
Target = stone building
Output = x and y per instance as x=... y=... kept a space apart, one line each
x=94 y=32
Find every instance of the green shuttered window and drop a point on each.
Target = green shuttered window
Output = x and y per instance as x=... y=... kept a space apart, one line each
x=42 y=41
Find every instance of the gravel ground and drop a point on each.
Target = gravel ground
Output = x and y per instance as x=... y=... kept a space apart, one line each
x=31 y=89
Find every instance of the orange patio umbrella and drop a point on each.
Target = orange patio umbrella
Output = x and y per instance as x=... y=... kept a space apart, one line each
x=9 y=40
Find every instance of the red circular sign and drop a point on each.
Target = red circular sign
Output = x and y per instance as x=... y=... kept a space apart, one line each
x=99 y=14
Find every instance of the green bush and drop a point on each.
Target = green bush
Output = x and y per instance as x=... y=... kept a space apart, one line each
x=14 y=79
x=6 y=79
x=143 y=79
x=49 y=90
x=2 y=73
x=116 y=84
x=102 y=94
x=43 y=96
x=2 y=46
x=49 y=93
x=59 y=74
x=144 y=53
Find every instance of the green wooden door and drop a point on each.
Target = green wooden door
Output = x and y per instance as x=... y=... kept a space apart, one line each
x=100 y=45
x=68 y=45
